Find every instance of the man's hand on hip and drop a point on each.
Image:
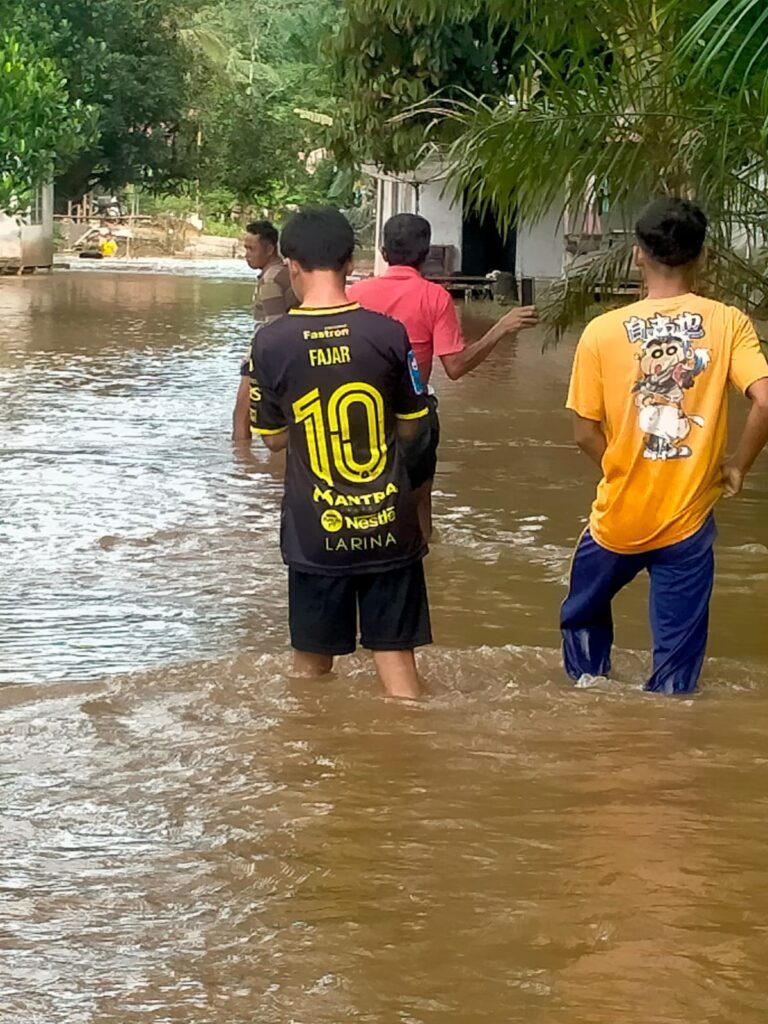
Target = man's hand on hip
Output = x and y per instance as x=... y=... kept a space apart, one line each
x=733 y=480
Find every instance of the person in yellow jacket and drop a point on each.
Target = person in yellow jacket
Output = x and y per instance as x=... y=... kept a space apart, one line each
x=107 y=243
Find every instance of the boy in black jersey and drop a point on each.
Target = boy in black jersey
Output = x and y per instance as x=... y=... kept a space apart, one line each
x=337 y=386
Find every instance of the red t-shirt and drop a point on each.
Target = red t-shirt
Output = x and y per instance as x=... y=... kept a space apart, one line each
x=423 y=307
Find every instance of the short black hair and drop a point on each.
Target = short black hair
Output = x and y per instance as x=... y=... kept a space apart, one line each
x=264 y=230
x=672 y=231
x=318 y=238
x=407 y=238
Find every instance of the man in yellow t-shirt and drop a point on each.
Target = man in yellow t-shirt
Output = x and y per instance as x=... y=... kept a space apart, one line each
x=650 y=393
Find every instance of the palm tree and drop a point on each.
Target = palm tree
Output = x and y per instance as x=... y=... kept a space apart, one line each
x=636 y=98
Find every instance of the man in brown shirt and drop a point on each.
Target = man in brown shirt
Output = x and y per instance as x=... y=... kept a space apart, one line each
x=272 y=298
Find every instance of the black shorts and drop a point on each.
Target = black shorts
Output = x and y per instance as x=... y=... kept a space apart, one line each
x=393 y=610
x=420 y=456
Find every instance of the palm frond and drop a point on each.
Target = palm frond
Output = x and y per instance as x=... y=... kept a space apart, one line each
x=739 y=279
x=612 y=104
x=736 y=28
x=206 y=41
x=602 y=278
x=315 y=116
x=253 y=71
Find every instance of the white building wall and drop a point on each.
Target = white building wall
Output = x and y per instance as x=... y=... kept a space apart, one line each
x=396 y=196
x=393 y=197
x=37 y=235
x=541 y=246
x=446 y=216
x=10 y=240
x=27 y=240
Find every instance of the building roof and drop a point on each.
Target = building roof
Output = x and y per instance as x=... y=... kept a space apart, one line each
x=431 y=170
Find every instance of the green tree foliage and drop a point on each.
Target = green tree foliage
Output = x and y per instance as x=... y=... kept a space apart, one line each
x=125 y=60
x=37 y=122
x=391 y=56
x=267 y=60
x=183 y=95
x=730 y=38
x=253 y=151
x=634 y=97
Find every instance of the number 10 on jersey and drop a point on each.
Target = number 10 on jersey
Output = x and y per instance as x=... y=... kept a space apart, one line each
x=345 y=454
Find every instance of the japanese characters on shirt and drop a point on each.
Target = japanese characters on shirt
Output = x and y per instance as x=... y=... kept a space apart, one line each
x=670 y=363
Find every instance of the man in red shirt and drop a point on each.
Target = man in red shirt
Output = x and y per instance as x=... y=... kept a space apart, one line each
x=429 y=316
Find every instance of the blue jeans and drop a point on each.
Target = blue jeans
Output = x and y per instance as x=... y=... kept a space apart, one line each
x=682 y=577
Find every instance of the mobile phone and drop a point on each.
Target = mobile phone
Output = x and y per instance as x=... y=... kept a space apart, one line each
x=527 y=291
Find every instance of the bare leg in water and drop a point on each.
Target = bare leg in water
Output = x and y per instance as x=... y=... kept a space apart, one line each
x=397 y=670
x=311 y=666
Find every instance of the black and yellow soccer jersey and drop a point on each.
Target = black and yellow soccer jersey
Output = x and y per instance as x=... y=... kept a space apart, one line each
x=338 y=380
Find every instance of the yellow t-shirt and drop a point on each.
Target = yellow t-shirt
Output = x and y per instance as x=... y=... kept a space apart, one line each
x=656 y=375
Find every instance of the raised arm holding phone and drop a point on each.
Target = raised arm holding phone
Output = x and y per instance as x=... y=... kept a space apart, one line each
x=429 y=315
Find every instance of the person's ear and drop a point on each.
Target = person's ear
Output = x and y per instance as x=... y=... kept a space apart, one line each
x=293 y=266
x=349 y=267
x=638 y=257
x=384 y=256
x=296 y=275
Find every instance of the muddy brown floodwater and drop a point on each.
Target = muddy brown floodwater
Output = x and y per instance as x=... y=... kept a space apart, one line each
x=190 y=836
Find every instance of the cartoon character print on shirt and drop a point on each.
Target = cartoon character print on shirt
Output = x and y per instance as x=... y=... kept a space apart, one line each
x=669 y=366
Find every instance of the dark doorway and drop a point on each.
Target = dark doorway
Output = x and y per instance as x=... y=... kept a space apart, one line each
x=485 y=249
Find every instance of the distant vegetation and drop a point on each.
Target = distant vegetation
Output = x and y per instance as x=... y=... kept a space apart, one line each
x=183 y=98
x=234 y=107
